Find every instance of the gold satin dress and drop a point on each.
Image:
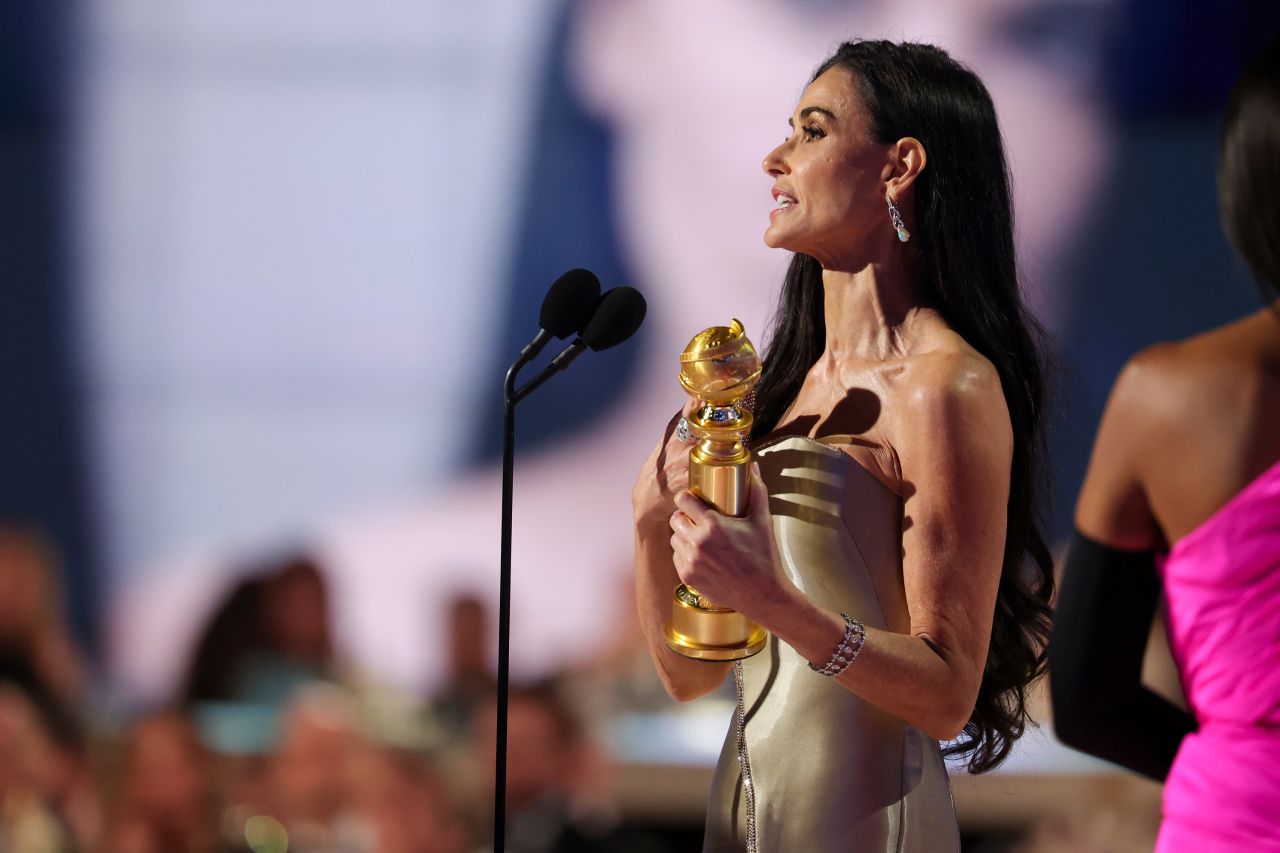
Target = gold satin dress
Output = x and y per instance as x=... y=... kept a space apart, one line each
x=831 y=772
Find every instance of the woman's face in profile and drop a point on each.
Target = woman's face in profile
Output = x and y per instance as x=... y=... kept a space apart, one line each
x=829 y=177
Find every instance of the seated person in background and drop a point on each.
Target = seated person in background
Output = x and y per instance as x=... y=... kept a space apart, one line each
x=468 y=648
x=310 y=791
x=166 y=802
x=271 y=635
x=552 y=772
x=37 y=652
x=403 y=804
x=47 y=801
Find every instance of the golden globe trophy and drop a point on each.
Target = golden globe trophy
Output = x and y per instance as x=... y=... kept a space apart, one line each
x=719 y=368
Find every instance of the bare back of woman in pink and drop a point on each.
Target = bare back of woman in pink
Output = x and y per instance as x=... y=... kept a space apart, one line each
x=1183 y=494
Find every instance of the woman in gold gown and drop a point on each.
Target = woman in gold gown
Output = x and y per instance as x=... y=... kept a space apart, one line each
x=891 y=545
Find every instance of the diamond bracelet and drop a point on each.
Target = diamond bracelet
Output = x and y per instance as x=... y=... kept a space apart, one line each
x=854 y=636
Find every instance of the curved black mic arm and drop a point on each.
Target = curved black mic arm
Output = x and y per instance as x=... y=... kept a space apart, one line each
x=530 y=351
x=559 y=363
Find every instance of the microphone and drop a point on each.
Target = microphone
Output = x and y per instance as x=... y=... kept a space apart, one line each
x=566 y=310
x=617 y=316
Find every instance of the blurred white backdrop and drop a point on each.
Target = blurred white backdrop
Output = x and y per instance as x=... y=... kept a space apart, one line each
x=296 y=225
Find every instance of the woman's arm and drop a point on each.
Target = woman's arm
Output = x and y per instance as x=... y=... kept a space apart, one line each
x=955 y=448
x=665 y=473
x=1108 y=596
x=1106 y=603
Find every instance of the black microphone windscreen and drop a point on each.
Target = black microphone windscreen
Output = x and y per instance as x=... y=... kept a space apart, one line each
x=568 y=305
x=619 y=314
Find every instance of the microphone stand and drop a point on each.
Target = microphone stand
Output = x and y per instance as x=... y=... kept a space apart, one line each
x=510 y=397
x=509 y=401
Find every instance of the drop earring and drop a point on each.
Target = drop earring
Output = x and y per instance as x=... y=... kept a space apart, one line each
x=895 y=216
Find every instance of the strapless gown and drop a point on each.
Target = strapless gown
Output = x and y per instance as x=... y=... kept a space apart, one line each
x=831 y=772
x=1222 y=588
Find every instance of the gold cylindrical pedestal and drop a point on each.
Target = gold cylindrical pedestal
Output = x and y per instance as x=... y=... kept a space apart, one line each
x=711 y=633
x=718 y=474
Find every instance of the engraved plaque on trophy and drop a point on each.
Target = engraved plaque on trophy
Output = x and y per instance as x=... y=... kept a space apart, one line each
x=719 y=368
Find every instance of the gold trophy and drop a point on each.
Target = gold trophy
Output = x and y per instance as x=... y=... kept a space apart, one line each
x=719 y=368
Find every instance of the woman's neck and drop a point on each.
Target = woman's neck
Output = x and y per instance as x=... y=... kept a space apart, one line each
x=873 y=312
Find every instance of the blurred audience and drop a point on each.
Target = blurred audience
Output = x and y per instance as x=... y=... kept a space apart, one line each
x=269 y=749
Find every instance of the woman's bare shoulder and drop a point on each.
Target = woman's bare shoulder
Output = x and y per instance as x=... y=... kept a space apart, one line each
x=947 y=423
x=946 y=390
x=1218 y=364
x=949 y=372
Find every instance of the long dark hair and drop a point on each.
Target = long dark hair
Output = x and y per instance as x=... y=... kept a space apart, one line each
x=962 y=232
x=1249 y=170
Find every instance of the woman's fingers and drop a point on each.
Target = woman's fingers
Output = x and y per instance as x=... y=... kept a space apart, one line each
x=681 y=524
x=681 y=547
x=692 y=506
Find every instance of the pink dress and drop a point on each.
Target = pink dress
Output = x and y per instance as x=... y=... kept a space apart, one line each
x=1222 y=586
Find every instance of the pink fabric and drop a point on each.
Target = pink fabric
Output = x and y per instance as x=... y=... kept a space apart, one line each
x=1222 y=586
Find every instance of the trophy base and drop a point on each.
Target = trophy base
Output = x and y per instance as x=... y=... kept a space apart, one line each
x=703 y=631
x=691 y=648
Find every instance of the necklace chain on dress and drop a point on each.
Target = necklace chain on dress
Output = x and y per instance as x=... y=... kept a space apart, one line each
x=744 y=761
